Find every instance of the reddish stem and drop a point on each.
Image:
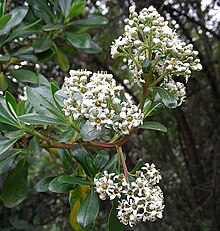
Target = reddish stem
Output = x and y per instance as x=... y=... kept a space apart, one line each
x=123 y=162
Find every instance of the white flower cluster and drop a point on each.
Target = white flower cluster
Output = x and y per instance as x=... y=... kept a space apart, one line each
x=176 y=88
x=96 y=97
x=140 y=200
x=148 y=36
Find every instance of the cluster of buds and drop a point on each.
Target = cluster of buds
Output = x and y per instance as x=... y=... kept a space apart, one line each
x=148 y=36
x=139 y=200
x=97 y=98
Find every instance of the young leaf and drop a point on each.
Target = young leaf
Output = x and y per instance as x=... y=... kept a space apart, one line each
x=88 y=211
x=43 y=184
x=58 y=187
x=167 y=98
x=73 y=180
x=15 y=187
x=21 y=107
x=76 y=9
x=4 y=20
x=60 y=58
x=113 y=223
x=152 y=125
x=11 y=103
x=88 y=132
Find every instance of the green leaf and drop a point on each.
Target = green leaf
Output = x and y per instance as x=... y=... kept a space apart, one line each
x=167 y=98
x=157 y=108
x=38 y=119
x=139 y=164
x=11 y=102
x=113 y=223
x=111 y=166
x=93 y=20
x=52 y=27
x=80 y=154
x=43 y=184
x=4 y=20
x=76 y=9
x=24 y=75
x=18 y=15
x=152 y=125
x=60 y=58
x=88 y=132
x=81 y=41
x=5 y=115
x=7 y=159
x=59 y=187
x=25 y=53
x=45 y=56
x=88 y=211
x=19 y=224
x=3 y=82
x=21 y=107
x=15 y=187
x=146 y=66
x=7 y=142
x=41 y=45
x=101 y=159
x=2 y=7
x=5 y=58
x=34 y=146
x=42 y=10
x=73 y=180
x=65 y=6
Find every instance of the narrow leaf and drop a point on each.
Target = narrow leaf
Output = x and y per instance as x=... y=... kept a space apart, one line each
x=15 y=187
x=43 y=184
x=25 y=75
x=152 y=125
x=73 y=180
x=59 y=187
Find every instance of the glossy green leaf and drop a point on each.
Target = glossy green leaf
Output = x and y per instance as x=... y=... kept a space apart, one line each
x=88 y=132
x=42 y=10
x=3 y=82
x=52 y=27
x=93 y=20
x=21 y=107
x=15 y=187
x=59 y=187
x=41 y=45
x=146 y=66
x=80 y=153
x=11 y=102
x=24 y=75
x=45 y=56
x=113 y=223
x=157 y=108
x=18 y=15
x=81 y=41
x=152 y=125
x=26 y=53
x=60 y=58
x=43 y=184
x=111 y=166
x=4 y=20
x=40 y=119
x=167 y=98
x=101 y=159
x=88 y=211
x=73 y=180
x=76 y=9
x=5 y=115
x=2 y=7
x=7 y=159
x=65 y=6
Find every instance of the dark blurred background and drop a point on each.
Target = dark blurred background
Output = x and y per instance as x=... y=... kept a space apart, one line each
x=188 y=155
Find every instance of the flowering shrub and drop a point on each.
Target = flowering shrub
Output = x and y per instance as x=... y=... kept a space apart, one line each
x=91 y=114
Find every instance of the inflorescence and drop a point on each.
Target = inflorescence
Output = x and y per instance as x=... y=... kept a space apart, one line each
x=96 y=97
x=139 y=200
